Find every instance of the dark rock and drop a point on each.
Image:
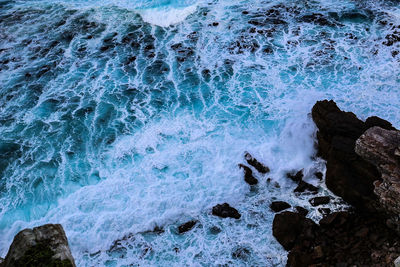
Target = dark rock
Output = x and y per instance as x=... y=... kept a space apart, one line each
x=241 y=253
x=392 y=38
x=287 y=227
x=347 y=175
x=319 y=175
x=317 y=18
x=248 y=175
x=324 y=211
x=340 y=237
x=225 y=211
x=381 y=147
x=303 y=186
x=316 y=201
x=186 y=226
x=376 y=121
x=296 y=177
x=255 y=163
x=215 y=230
x=45 y=245
x=243 y=44
x=302 y=211
x=278 y=206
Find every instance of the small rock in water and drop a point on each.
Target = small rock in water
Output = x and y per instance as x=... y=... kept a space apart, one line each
x=186 y=226
x=278 y=206
x=303 y=186
x=319 y=175
x=215 y=230
x=316 y=201
x=297 y=177
x=301 y=210
x=248 y=175
x=225 y=211
x=255 y=163
x=241 y=253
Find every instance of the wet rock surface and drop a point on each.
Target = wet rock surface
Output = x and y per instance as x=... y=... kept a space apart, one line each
x=381 y=147
x=357 y=154
x=45 y=245
x=348 y=175
x=278 y=206
x=261 y=168
x=183 y=228
x=340 y=239
x=248 y=175
x=316 y=201
x=225 y=211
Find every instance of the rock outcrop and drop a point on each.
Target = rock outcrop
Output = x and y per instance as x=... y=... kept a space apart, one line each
x=225 y=211
x=348 y=175
x=41 y=246
x=363 y=167
x=381 y=147
x=340 y=239
x=183 y=228
x=278 y=206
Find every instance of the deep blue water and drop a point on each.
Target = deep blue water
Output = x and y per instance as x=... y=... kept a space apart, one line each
x=117 y=117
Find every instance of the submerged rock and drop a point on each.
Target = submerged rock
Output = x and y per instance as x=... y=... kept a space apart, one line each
x=225 y=211
x=186 y=226
x=45 y=245
x=248 y=175
x=278 y=206
x=241 y=253
x=255 y=163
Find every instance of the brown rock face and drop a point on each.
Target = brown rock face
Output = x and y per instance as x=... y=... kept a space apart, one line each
x=289 y=227
x=45 y=245
x=348 y=175
x=340 y=239
x=379 y=147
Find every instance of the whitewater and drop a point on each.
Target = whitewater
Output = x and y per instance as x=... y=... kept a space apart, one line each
x=122 y=120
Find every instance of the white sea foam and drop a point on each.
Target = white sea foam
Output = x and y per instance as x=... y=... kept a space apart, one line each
x=172 y=161
x=166 y=16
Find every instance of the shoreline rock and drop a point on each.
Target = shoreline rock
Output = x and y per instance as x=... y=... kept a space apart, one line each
x=347 y=174
x=362 y=167
x=225 y=211
x=45 y=245
x=379 y=147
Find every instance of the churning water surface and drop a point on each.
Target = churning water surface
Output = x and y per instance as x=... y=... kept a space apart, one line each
x=121 y=117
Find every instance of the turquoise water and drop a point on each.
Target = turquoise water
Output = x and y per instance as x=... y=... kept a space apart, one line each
x=118 y=117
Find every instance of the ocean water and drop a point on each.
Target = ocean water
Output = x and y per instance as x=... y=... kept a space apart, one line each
x=123 y=119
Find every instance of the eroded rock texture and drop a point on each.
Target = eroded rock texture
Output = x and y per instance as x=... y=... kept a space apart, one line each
x=45 y=245
x=341 y=239
x=381 y=148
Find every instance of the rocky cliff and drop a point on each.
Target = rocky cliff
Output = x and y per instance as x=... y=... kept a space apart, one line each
x=363 y=167
x=381 y=148
x=41 y=246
